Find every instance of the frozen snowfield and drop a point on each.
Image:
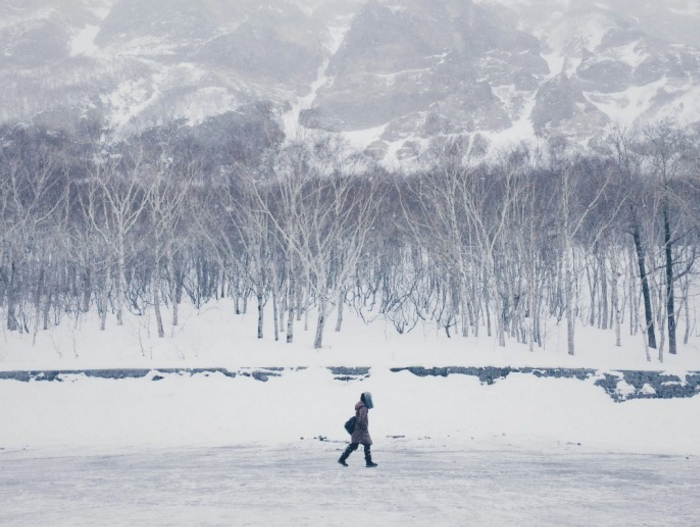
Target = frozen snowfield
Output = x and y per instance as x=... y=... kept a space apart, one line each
x=214 y=336
x=238 y=486
x=206 y=449
x=211 y=410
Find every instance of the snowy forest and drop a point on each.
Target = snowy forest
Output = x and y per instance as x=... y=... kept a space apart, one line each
x=302 y=231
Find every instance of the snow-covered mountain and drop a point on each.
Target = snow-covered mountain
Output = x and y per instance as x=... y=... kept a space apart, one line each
x=390 y=75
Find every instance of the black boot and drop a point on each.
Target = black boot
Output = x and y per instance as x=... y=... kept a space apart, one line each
x=349 y=450
x=368 y=459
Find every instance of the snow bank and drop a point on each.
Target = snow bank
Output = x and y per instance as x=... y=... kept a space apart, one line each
x=304 y=406
x=215 y=337
x=521 y=411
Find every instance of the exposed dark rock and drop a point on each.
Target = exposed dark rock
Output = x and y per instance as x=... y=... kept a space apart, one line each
x=33 y=45
x=377 y=149
x=341 y=370
x=650 y=70
x=176 y=20
x=487 y=375
x=423 y=56
x=349 y=374
x=261 y=52
x=420 y=68
x=112 y=374
x=555 y=103
x=605 y=75
x=637 y=384
x=239 y=137
x=645 y=384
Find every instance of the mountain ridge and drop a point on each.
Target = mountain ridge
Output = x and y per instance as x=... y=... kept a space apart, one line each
x=392 y=77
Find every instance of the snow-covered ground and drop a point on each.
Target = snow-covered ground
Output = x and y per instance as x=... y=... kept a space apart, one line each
x=523 y=411
x=209 y=449
x=209 y=410
x=304 y=486
x=214 y=336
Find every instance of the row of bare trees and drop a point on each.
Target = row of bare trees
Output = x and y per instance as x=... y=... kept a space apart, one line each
x=503 y=248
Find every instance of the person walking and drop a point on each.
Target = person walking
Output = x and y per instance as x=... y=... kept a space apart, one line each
x=360 y=434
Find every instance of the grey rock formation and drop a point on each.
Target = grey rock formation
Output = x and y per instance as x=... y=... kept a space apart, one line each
x=178 y=22
x=418 y=66
x=412 y=71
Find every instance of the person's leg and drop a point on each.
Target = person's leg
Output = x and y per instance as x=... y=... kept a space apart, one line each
x=349 y=450
x=368 y=457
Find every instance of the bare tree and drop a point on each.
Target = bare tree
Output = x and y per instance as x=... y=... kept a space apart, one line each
x=115 y=202
x=580 y=195
x=30 y=193
x=667 y=150
x=322 y=209
x=625 y=155
x=170 y=180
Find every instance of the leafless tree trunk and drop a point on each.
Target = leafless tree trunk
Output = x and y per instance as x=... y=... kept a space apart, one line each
x=320 y=209
x=667 y=153
x=114 y=205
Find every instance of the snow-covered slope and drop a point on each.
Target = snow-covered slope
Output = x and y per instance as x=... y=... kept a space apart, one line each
x=393 y=77
x=523 y=410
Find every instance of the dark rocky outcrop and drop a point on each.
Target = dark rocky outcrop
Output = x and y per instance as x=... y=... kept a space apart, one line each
x=619 y=385
x=639 y=384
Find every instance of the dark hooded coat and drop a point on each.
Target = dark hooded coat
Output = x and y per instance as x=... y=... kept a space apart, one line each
x=361 y=433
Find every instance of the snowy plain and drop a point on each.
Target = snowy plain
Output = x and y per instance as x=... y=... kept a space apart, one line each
x=305 y=400
x=240 y=486
x=208 y=449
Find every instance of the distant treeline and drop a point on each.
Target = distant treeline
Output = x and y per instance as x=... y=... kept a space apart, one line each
x=499 y=247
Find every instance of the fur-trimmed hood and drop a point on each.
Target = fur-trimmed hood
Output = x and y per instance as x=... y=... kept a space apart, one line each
x=361 y=432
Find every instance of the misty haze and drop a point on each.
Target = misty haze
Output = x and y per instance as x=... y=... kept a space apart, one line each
x=227 y=226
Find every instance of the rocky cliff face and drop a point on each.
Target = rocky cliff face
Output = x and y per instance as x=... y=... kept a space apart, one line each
x=425 y=68
x=393 y=76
